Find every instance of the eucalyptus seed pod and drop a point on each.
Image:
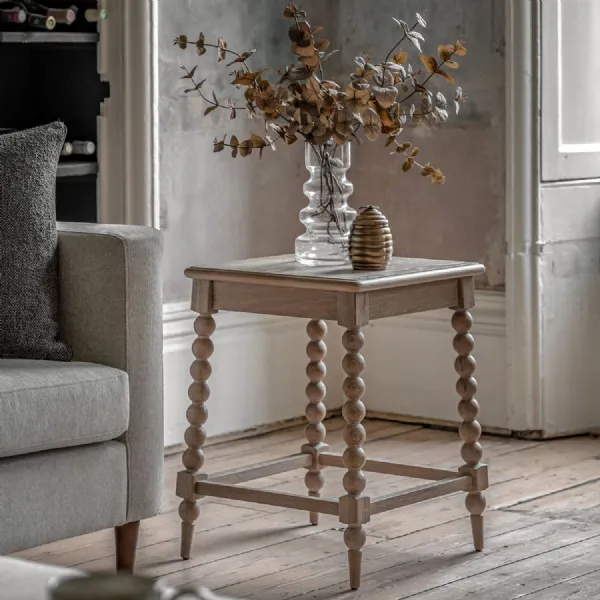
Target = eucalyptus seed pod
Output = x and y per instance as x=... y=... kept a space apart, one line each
x=371 y=245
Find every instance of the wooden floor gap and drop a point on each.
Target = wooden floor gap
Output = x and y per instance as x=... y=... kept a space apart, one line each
x=503 y=566
x=527 y=500
x=581 y=576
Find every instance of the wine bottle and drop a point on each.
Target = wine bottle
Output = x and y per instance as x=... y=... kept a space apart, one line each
x=63 y=16
x=83 y=147
x=93 y=15
x=16 y=15
x=41 y=22
x=67 y=149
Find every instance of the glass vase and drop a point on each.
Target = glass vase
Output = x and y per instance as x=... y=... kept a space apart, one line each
x=327 y=218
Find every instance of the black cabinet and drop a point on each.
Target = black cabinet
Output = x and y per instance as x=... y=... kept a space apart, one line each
x=50 y=75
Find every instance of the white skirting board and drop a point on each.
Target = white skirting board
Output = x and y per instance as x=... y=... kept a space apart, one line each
x=258 y=371
x=259 y=363
x=410 y=364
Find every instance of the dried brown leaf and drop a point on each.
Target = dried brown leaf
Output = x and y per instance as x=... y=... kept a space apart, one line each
x=297 y=74
x=391 y=139
x=311 y=96
x=429 y=63
x=403 y=147
x=427 y=171
x=372 y=124
x=200 y=49
x=386 y=119
x=322 y=45
x=451 y=64
x=311 y=62
x=257 y=141
x=291 y=10
x=313 y=84
x=382 y=76
x=438 y=177
x=242 y=57
x=289 y=139
x=245 y=148
x=386 y=97
x=244 y=78
x=303 y=50
x=233 y=112
x=344 y=123
x=415 y=152
x=181 y=41
x=446 y=52
x=357 y=99
x=234 y=141
x=408 y=165
x=189 y=74
x=222 y=52
x=445 y=75
x=210 y=109
x=460 y=48
x=400 y=57
x=299 y=33
x=218 y=146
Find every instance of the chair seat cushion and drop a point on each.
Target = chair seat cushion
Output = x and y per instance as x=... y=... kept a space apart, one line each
x=46 y=405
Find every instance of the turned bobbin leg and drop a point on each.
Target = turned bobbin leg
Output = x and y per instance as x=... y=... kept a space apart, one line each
x=315 y=410
x=195 y=435
x=470 y=429
x=354 y=507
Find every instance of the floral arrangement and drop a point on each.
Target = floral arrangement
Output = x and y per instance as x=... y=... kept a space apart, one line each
x=381 y=98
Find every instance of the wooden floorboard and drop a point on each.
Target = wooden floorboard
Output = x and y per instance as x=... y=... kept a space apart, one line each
x=543 y=527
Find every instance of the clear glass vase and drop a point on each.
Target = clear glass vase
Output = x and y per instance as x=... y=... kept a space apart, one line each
x=327 y=218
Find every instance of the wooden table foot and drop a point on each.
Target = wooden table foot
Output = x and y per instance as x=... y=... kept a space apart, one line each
x=477 y=529
x=354 y=567
x=470 y=429
x=187 y=535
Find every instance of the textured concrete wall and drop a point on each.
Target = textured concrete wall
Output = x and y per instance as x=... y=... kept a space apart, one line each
x=217 y=208
x=463 y=219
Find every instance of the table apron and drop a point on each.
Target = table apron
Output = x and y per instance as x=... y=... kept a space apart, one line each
x=330 y=305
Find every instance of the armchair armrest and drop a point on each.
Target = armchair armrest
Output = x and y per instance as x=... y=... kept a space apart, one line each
x=110 y=307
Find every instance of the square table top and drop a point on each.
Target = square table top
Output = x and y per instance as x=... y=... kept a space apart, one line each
x=284 y=271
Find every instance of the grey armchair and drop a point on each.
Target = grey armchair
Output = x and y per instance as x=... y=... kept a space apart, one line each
x=81 y=443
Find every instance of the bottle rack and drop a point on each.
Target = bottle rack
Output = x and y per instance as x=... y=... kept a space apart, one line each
x=51 y=75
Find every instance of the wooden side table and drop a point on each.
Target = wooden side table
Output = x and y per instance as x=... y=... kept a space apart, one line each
x=279 y=286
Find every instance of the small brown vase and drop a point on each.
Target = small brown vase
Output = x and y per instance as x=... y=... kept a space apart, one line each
x=371 y=245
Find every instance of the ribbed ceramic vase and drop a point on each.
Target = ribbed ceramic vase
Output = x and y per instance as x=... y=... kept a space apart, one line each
x=327 y=218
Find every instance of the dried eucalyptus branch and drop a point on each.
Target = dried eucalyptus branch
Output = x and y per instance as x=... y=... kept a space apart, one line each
x=303 y=103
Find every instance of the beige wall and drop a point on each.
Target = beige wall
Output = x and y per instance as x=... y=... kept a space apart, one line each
x=217 y=208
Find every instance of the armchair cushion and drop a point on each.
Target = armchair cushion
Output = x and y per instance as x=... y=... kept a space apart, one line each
x=46 y=405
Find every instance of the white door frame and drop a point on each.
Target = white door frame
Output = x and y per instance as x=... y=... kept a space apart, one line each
x=128 y=189
x=523 y=294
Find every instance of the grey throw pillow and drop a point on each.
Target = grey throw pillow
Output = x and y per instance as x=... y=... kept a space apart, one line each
x=28 y=244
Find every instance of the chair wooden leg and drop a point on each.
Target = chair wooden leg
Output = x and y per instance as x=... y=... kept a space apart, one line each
x=126 y=537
